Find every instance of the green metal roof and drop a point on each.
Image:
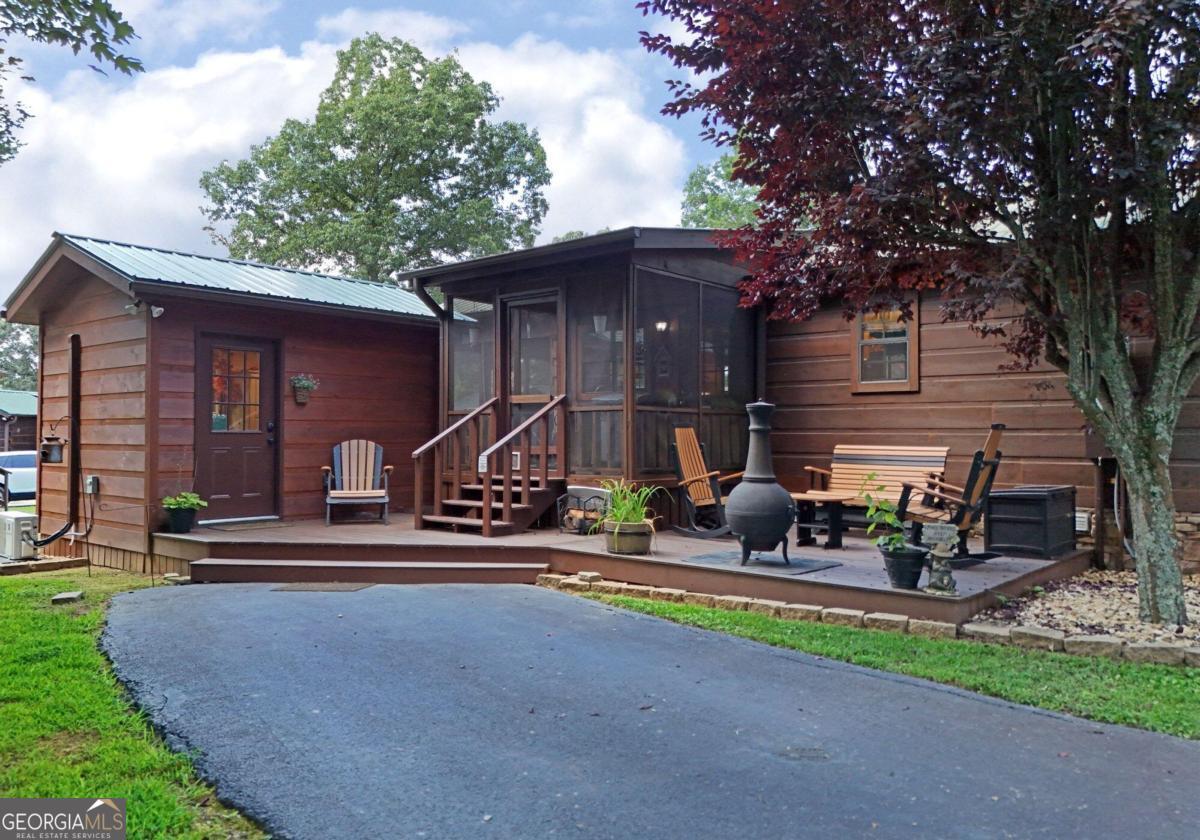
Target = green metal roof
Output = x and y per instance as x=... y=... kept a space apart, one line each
x=18 y=402
x=173 y=268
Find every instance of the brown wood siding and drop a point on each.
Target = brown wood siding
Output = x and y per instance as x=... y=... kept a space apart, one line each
x=962 y=391
x=112 y=410
x=378 y=381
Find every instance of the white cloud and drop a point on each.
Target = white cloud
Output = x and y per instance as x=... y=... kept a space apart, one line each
x=163 y=22
x=428 y=32
x=122 y=160
x=612 y=164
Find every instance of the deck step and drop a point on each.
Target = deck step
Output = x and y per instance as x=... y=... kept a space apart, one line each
x=220 y=570
x=499 y=525
x=476 y=504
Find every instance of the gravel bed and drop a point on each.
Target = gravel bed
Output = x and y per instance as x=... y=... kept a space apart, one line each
x=1097 y=603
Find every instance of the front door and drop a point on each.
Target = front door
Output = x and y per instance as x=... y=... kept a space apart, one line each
x=237 y=404
x=532 y=330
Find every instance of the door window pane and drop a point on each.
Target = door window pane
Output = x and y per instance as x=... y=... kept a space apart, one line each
x=472 y=353
x=236 y=390
x=533 y=348
x=666 y=341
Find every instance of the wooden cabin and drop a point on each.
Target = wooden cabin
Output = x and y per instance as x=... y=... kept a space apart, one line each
x=508 y=377
x=166 y=372
x=573 y=363
x=18 y=420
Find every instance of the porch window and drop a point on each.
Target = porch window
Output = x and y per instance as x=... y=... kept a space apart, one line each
x=236 y=379
x=726 y=366
x=597 y=336
x=472 y=341
x=666 y=336
x=886 y=351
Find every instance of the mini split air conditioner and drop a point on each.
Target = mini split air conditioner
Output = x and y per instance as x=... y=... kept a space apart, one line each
x=14 y=525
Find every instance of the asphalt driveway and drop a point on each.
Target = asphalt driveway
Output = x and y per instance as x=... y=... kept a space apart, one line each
x=513 y=711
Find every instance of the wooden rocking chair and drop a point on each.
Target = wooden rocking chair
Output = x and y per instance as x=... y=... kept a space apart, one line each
x=357 y=477
x=702 y=495
x=946 y=503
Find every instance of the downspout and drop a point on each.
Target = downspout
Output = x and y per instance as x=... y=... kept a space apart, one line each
x=423 y=295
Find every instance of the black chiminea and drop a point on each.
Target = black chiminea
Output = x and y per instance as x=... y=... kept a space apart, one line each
x=759 y=511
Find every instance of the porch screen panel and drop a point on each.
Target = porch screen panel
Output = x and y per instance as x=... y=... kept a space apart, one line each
x=596 y=374
x=667 y=316
x=655 y=433
x=726 y=377
x=472 y=340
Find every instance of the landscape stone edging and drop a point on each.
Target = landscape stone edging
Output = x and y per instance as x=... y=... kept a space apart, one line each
x=1029 y=637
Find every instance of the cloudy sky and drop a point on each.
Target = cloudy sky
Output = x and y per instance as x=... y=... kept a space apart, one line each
x=120 y=157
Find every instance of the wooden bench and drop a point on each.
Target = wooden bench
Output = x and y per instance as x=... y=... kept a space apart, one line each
x=892 y=466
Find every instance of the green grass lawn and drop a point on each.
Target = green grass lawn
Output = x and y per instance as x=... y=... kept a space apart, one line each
x=1161 y=698
x=66 y=727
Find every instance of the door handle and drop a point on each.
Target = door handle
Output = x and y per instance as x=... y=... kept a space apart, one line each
x=270 y=425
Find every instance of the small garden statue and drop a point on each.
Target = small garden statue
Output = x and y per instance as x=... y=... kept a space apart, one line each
x=942 y=537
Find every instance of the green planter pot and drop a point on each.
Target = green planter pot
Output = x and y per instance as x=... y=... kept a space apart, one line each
x=904 y=566
x=628 y=537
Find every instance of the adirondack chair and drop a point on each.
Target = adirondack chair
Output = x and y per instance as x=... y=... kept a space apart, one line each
x=702 y=494
x=357 y=477
x=937 y=501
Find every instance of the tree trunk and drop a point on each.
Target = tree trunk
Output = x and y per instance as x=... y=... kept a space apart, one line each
x=1155 y=545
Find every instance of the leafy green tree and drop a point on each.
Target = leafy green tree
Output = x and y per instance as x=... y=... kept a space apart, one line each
x=713 y=199
x=576 y=234
x=400 y=168
x=93 y=26
x=18 y=357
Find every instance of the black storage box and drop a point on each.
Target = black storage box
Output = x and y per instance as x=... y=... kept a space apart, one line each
x=1034 y=521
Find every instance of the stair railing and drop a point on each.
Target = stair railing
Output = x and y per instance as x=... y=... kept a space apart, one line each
x=447 y=448
x=497 y=460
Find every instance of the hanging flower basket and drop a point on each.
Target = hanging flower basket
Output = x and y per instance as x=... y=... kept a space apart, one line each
x=303 y=384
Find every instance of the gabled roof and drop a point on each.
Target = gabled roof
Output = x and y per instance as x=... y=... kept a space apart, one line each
x=175 y=271
x=18 y=402
x=625 y=239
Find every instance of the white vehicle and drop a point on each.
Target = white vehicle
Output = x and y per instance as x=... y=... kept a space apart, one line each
x=22 y=473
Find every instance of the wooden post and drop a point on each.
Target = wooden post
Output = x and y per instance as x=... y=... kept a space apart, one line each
x=486 y=510
x=437 y=479
x=526 y=452
x=506 y=453
x=418 y=502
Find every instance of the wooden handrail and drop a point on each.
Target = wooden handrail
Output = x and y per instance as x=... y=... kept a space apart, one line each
x=473 y=423
x=522 y=436
x=454 y=427
x=537 y=415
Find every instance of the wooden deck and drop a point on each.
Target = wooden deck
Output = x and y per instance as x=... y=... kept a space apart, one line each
x=380 y=553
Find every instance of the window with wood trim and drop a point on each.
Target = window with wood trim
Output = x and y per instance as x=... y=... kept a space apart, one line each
x=886 y=352
x=235 y=390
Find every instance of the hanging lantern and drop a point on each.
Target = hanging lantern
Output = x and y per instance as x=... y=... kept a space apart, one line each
x=52 y=449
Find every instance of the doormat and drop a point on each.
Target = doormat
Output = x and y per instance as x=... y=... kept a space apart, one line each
x=321 y=587
x=249 y=526
x=726 y=559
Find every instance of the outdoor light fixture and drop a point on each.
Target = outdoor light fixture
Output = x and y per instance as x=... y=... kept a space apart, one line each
x=661 y=326
x=599 y=322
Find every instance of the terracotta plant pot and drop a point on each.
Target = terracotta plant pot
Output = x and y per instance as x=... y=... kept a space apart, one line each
x=904 y=566
x=628 y=537
x=180 y=520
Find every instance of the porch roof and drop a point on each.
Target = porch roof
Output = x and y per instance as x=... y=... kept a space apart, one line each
x=147 y=269
x=625 y=239
x=18 y=403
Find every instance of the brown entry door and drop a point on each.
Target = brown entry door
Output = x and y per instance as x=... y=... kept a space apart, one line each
x=533 y=369
x=237 y=405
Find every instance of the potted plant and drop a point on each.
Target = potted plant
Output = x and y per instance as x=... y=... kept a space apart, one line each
x=628 y=526
x=903 y=562
x=181 y=511
x=303 y=384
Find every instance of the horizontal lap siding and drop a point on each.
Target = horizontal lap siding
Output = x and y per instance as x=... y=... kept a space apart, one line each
x=112 y=411
x=962 y=392
x=378 y=381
